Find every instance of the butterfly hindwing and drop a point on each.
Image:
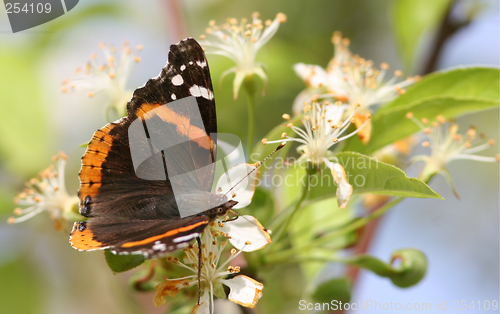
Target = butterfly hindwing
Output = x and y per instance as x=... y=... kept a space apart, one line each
x=148 y=237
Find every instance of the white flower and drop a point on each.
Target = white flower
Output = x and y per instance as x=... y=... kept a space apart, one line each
x=240 y=41
x=447 y=145
x=238 y=184
x=352 y=80
x=323 y=128
x=48 y=193
x=243 y=290
x=109 y=78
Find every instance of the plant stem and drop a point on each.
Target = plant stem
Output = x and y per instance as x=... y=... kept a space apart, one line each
x=360 y=222
x=447 y=29
x=310 y=259
x=356 y=224
x=284 y=229
x=251 y=122
x=250 y=87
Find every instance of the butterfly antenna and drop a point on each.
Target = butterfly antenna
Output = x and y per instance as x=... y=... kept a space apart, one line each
x=232 y=211
x=257 y=166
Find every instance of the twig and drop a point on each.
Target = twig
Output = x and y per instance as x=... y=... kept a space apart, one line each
x=447 y=29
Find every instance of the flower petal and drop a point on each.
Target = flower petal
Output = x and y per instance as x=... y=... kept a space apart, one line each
x=246 y=233
x=238 y=80
x=170 y=288
x=344 y=189
x=405 y=145
x=312 y=75
x=242 y=184
x=365 y=132
x=305 y=95
x=204 y=306
x=244 y=290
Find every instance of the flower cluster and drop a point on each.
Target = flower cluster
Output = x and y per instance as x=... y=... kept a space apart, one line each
x=352 y=80
x=447 y=145
x=47 y=192
x=240 y=41
x=243 y=289
x=109 y=78
x=245 y=233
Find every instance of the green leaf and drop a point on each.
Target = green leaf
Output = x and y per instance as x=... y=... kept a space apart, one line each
x=411 y=270
x=468 y=83
x=312 y=222
x=338 y=289
x=367 y=175
x=120 y=263
x=218 y=290
x=449 y=94
x=411 y=19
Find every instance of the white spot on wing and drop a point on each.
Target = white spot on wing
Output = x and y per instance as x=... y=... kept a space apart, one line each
x=190 y=62
x=173 y=97
x=198 y=91
x=185 y=238
x=177 y=80
x=201 y=63
x=158 y=246
x=183 y=67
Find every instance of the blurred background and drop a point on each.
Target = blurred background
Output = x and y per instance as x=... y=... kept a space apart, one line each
x=41 y=273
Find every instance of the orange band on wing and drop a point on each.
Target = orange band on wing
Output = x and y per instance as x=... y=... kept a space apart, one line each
x=144 y=108
x=166 y=234
x=183 y=123
x=84 y=240
x=97 y=151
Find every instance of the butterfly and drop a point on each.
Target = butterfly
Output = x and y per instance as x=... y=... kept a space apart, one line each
x=167 y=143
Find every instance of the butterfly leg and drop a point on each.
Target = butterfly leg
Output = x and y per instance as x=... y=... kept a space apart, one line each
x=198 y=240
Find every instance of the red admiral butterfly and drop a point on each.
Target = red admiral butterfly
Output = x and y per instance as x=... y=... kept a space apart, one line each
x=132 y=215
